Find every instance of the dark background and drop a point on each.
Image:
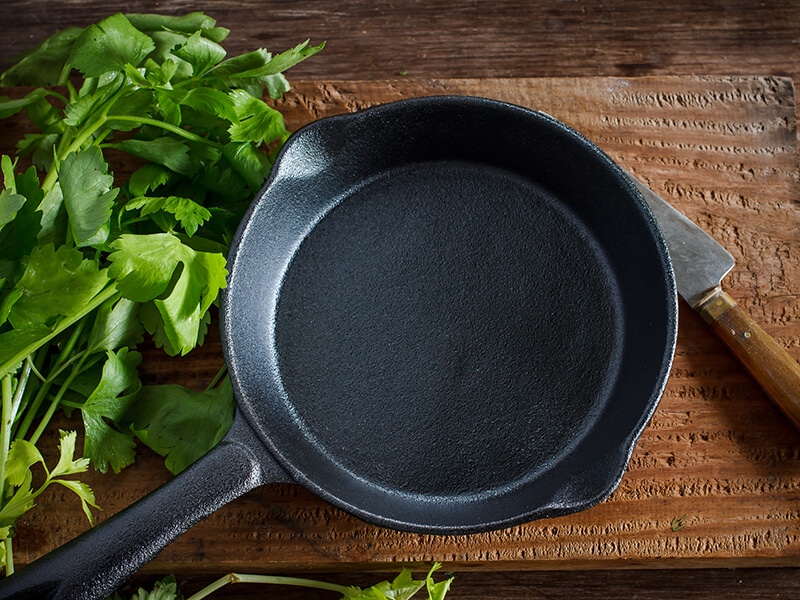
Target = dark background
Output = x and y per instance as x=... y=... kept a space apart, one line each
x=463 y=38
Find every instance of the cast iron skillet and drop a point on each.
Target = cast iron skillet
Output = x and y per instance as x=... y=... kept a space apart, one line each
x=444 y=315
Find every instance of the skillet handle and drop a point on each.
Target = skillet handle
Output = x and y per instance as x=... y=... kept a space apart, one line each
x=93 y=565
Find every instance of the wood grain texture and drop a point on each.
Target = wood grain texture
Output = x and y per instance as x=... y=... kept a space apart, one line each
x=716 y=453
x=475 y=38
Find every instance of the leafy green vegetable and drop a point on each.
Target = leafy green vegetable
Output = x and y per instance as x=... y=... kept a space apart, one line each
x=167 y=151
x=256 y=122
x=108 y=46
x=165 y=589
x=107 y=446
x=22 y=456
x=10 y=200
x=181 y=424
x=56 y=283
x=45 y=64
x=88 y=195
x=403 y=587
x=90 y=262
x=186 y=211
x=181 y=282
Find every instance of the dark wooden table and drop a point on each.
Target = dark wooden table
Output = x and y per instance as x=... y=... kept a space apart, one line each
x=477 y=38
x=483 y=40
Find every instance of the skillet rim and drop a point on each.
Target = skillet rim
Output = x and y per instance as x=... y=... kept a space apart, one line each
x=621 y=454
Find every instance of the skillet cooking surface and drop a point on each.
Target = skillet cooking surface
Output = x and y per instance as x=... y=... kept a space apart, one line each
x=449 y=315
x=433 y=310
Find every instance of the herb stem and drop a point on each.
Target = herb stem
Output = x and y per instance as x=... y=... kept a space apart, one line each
x=70 y=404
x=54 y=403
x=83 y=136
x=21 y=429
x=81 y=139
x=33 y=410
x=9 y=419
x=11 y=363
x=70 y=345
x=220 y=374
x=280 y=580
x=52 y=173
x=55 y=94
x=36 y=371
x=9 y=556
x=5 y=429
x=63 y=77
x=8 y=401
x=63 y=361
x=59 y=367
x=65 y=141
x=273 y=579
x=22 y=384
x=71 y=88
x=192 y=137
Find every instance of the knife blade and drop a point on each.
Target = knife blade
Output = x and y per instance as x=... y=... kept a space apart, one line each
x=700 y=263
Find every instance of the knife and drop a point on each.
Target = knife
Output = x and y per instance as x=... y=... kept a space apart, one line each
x=700 y=264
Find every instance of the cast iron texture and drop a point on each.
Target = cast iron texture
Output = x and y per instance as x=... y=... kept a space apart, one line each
x=449 y=315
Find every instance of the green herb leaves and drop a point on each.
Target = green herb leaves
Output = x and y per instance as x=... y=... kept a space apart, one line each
x=165 y=589
x=108 y=46
x=109 y=446
x=22 y=457
x=403 y=587
x=88 y=195
x=10 y=200
x=181 y=424
x=186 y=212
x=257 y=122
x=90 y=261
x=181 y=283
x=44 y=64
x=57 y=282
x=201 y=53
x=58 y=288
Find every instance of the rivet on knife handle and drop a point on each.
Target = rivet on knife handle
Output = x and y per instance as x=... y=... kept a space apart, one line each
x=774 y=369
x=700 y=263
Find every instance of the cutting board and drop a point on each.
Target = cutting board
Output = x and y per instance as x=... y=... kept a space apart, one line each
x=715 y=478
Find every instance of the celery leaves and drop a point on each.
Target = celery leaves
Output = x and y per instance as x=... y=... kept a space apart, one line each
x=88 y=191
x=109 y=446
x=91 y=260
x=57 y=282
x=108 y=46
x=181 y=282
x=181 y=424
x=20 y=460
x=402 y=587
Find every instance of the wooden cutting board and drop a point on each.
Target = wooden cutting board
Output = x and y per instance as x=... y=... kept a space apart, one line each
x=715 y=478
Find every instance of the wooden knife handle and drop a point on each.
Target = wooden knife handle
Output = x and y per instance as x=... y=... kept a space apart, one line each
x=774 y=369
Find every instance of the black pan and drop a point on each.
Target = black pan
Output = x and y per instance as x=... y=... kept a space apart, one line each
x=444 y=315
